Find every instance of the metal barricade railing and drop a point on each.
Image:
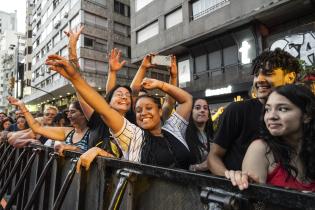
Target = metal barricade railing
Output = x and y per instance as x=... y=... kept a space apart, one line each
x=38 y=179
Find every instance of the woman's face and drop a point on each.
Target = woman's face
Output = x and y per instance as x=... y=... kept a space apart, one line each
x=282 y=117
x=200 y=112
x=6 y=124
x=148 y=114
x=21 y=123
x=121 y=100
x=74 y=115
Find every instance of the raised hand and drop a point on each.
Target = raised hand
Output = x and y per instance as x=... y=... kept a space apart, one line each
x=73 y=36
x=146 y=62
x=62 y=66
x=149 y=84
x=14 y=101
x=87 y=158
x=114 y=60
x=173 y=68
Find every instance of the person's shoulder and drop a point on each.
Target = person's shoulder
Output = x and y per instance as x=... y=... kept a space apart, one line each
x=258 y=145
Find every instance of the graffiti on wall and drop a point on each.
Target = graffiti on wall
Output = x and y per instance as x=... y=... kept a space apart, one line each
x=301 y=46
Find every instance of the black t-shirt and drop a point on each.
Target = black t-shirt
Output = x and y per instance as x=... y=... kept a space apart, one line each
x=99 y=131
x=166 y=151
x=239 y=125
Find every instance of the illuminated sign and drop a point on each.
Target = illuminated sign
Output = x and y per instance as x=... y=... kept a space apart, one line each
x=244 y=50
x=219 y=91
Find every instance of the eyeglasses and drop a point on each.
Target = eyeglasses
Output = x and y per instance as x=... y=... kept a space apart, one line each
x=50 y=114
x=121 y=95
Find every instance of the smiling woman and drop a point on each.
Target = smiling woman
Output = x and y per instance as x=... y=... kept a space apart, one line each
x=284 y=154
x=140 y=144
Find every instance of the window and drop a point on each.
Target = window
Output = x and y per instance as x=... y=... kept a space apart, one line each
x=203 y=7
x=29 y=66
x=73 y=2
x=29 y=34
x=29 y=50
x=56 y=39
x=120 y=28
x=49 y=46
x=64 y=52
x=88 y=42
x=93 y=20
x=55 y=4
x=75 y=21
x=141 y=3
x=174 y=18
x=121 y=8
x=147 y=32
x=101 y=45
x=201 y=63
x=183 y=72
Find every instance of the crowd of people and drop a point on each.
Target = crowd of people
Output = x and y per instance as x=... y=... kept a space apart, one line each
x=266 y=139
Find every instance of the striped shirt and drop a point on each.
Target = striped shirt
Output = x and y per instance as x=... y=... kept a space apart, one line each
x=130 y=137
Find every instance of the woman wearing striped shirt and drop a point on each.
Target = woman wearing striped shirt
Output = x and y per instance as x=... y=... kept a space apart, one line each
x=149 y=142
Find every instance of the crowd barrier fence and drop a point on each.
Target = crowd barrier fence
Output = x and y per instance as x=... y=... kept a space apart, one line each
x=37 y=178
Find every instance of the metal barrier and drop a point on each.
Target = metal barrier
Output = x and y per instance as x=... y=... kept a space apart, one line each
x=36 y=178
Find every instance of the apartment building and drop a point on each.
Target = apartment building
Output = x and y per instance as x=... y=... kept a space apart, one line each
x=107 y=25
x=216 y=40
x=12 y=46
x=8 y=21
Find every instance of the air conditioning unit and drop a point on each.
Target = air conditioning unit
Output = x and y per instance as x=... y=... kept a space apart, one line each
x=57 y=24
x=65 y=15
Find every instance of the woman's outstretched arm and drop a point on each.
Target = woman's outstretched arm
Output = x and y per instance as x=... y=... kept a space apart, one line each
x=111 y=117
x=183 y=98
x=56 y=133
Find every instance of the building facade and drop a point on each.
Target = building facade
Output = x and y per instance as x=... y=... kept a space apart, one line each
x=107 y=25
x=12 y=46
x=8 y=21
x=215 y=41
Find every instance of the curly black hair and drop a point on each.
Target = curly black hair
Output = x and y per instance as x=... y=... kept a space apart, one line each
x=192 y=137
x=269 y=60
x=283 y=153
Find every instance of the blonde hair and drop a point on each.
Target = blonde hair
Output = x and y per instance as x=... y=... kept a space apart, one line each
x=51 y=107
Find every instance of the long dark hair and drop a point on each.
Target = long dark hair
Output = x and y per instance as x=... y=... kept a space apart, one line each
x=148 y=152
x=192 y=137
x=283 y=153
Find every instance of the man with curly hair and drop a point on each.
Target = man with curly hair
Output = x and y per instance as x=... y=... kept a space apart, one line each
x=239 y=122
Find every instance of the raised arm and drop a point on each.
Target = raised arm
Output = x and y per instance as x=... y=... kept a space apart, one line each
x=183 y=98
x=169 y=102
x=56 y=133
x=114 y=65
x=136 y=82
x=73 y=36
x=111 y=117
